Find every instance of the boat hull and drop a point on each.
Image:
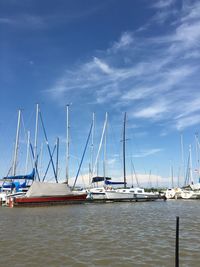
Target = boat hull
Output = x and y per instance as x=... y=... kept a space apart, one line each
x=190 y=195
x=49 y=200
x=121 y=196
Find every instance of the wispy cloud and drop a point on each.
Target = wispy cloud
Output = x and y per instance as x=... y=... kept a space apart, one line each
x=51 y=17
x=155 y=111
x=125 y=41
x=150 y=76
x=188 y=121
x=24 y=21
x=146 y=153
x=163 y=3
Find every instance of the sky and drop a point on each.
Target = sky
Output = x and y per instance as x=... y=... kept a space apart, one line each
x=141 y=57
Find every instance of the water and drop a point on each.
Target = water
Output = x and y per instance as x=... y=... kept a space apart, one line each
x=112 y=234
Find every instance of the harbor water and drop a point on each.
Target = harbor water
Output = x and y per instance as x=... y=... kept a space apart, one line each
x=111 y=234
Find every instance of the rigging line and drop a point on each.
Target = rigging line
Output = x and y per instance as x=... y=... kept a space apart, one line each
x=187 y=172
x=49 y=164
x=100 y=145
x=27 y=137
x=83 y=155
x=50 y=155
x=135 y=173
x=35 y=162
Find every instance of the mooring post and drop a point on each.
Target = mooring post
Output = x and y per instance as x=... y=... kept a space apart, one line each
x=177 y=243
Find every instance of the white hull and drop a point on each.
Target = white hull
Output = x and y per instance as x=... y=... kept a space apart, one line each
x=173 y=193
x=189 y=194
x=96 y=193
x=130 y=195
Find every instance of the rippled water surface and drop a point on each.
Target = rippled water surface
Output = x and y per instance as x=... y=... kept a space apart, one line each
x=112 y=234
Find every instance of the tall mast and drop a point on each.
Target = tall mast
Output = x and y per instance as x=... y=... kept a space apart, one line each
x=57 y=154
x=190 y=164
x=104 y=156
x=67 y=147
x=36 y=135
x=16 y=144
x=172 y=175
x=182 y=159
x=92 y=147
x=27 y=151
x=197 y=153
x=124 y=150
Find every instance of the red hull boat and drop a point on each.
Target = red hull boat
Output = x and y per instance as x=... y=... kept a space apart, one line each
x=46 y=201
x=47 y=194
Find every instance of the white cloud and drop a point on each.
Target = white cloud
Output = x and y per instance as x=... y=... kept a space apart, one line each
x=154 y=111
x=24 y=21
x=163 y=3
x=146 y=153
x=188 y=33
x=103 y=66
x=191 y=11
x=190 y=107
x=151 y=77
x=125 y=41
x=188 y=121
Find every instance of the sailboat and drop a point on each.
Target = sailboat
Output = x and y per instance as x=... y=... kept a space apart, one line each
x=173 y=192
x=45 y=193
x=190 y=190
x=96 y=192
x=129 y=194
x=15 y=185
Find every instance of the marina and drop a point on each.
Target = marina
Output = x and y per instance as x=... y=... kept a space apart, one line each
x=99 y=133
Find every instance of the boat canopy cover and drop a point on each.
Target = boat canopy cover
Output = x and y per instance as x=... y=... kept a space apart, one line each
x=100 y=179
x=110 y=182
x=15 y=184
x=43 y=189
x=20 y=177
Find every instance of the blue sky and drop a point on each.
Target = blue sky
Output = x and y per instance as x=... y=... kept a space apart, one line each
x=140 y=57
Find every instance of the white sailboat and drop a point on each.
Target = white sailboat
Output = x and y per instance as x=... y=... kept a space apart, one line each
x=191 y=191
x=173 y=192
x=98 y=193
x=129 y=194
x=190 y=194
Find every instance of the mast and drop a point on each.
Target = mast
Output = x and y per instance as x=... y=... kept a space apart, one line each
x=36 y=136
x=197 y=153
x=150 y=185
x=172 y=176
x=124 y=150
x=182 y=159
x=190 y=164
x=67 y=147
x=16 y=144
x=57 y=153
x=104 y=156
x=27 y=151
x=92 y=147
